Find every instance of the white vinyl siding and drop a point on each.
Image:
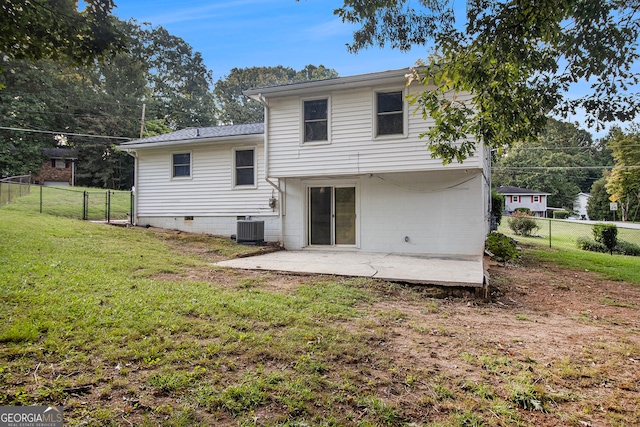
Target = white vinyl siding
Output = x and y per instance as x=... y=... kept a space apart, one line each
x=354 y=149
x=440 y=212
x=209 y=192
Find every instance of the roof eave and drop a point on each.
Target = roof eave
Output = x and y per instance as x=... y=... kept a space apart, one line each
x=127 y=146
x=342 y=83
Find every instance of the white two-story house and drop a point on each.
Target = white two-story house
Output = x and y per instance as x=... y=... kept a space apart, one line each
x=339 y=164
x=523 y=198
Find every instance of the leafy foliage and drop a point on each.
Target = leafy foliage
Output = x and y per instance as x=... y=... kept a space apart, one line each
x=502 y=247
x=561 y=214
x=627 y=248
x=235 y=108
x=519 y=59
x=622 y=247
x=587 y=244
x=103 y=98
x=557 y=162
x=598 y=205
x=607 y=234
x=522 y=224
x=624 y=181
x=39 y=29
x=497 y=206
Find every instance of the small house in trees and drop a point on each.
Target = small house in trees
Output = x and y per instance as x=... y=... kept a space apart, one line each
x=338 y=164
x=58 y=167
x=515 y=197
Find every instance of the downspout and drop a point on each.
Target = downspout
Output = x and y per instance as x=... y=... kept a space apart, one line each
x=281 y=202
x=134 y=214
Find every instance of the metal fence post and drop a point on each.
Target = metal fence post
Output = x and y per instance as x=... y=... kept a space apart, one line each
x=108 y=206
x=41 y=199
x=549 y=232
x=85 y=206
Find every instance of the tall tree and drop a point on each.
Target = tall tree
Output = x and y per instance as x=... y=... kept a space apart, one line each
x=179 y=81
x=58 y=30
x=559 y=161
x=624 y=181
x=34 y=98
x=598 y=207
x=235 y=108
x=519 y=58
x=102 y=98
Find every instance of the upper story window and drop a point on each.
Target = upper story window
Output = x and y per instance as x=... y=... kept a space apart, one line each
x=244 y=167
x=536 y=199
x=316 y=120
x=181 y=165
x=515 y=199
x=389 y=113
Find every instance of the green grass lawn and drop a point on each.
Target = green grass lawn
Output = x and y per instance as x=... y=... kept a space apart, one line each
x=565 y=252
x=69 y=202
x=128 y=326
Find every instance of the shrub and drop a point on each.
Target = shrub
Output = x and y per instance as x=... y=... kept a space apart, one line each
x=587 y=244
x=561 y=214
x=522 y=224
x=627 y=248
x=497 y=206
x=525 y=211
x=502 y=247
x=607 y=234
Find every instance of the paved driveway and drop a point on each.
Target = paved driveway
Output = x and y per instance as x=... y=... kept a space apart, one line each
x=443 y=271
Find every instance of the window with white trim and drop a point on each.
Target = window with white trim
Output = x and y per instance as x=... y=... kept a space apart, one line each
x=515 y=199
x=536 y=199
x=389 y=113
x=181 y=165
x=316 y=120
x=244 y=167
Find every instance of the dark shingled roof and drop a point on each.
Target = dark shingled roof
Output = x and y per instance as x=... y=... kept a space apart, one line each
x=194 y=134
x=59 y=153
x=516 y=190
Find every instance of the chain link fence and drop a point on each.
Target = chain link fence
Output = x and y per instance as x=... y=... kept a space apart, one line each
x=13 y=187
x=80 y=203
x=564 y=233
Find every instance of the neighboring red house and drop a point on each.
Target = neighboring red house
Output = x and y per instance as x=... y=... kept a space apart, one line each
x=59 y=168
x=515 y=198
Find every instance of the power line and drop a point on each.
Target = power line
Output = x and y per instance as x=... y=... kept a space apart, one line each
x=65 y=133
x=561 y=167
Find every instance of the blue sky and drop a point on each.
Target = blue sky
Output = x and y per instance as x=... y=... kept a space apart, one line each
x=245 y=33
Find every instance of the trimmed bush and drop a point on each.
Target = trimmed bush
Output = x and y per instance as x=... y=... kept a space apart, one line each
x=522 y=224
x=497 y=206
x=561 y=214
x=607 y=234
x=502 y=247
x=627 y=248
x=587 y=244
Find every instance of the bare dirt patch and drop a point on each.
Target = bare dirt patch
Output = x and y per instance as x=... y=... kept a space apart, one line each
x=571 y=336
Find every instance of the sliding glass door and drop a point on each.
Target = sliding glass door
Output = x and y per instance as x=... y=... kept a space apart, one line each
x=332 y=215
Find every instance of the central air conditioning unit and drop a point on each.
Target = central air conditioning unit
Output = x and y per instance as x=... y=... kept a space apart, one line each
x=251 y=232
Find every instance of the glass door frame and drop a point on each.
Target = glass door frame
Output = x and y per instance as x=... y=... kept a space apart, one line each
x=307 y=209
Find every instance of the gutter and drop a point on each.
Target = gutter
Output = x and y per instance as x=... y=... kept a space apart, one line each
x=134 y=214
x=281 y=202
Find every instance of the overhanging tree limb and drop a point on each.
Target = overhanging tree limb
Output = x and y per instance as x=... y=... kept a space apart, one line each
x=519 y=58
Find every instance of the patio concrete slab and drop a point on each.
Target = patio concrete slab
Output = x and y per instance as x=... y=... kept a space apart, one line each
x=443 y=271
